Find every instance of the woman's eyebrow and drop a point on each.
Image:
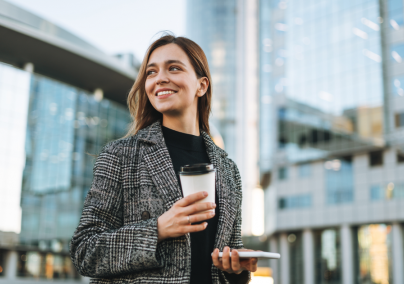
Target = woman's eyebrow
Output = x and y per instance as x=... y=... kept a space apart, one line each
x=166 y=63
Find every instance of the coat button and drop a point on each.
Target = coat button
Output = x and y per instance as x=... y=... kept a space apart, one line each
x=145 y=215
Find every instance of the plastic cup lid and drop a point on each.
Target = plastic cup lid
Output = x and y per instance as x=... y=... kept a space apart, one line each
x=196 y=169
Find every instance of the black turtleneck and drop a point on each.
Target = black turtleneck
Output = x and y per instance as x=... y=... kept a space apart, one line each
x=186 y=149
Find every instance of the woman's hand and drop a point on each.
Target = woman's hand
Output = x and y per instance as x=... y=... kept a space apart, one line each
x=234 y=264
x=178 y=220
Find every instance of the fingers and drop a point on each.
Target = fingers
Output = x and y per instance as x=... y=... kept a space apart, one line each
x=253 y=264
x=199 y=217
x=192 y=198
x=235 y=262
x=198 y=208
x=226 y=260
x=215 y=259
x=196 y=228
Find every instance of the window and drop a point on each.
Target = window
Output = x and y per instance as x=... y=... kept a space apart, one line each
x=374 y=254
x=397 y=52
x=398 y=86
x=327 y=256
x=294 y=202
x=304 y=170
x=400 y=157
x=399 y=118
x=283 y=173
x=395 y=11
x=376 y=158
x=339 y=180
x=376 y=192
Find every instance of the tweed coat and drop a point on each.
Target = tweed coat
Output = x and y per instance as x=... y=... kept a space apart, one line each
x=134 y=183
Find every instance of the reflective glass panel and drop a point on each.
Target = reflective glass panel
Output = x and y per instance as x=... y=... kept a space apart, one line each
x=374 y=254
x=328 y=257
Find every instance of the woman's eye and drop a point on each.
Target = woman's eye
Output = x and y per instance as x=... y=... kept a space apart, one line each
x=150 y=72
x=174 y=68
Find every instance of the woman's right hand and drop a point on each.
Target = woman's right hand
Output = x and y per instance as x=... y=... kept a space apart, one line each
x=175 y=223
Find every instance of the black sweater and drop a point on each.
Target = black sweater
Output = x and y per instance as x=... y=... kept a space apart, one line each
x=186 y=149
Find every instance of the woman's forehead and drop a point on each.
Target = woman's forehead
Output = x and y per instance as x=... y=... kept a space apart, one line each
x=168 y=52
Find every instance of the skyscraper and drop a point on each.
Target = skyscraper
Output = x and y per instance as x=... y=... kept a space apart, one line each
x=227 y=32
x=331 y=139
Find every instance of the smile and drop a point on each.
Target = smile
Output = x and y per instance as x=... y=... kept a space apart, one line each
x=163 y=93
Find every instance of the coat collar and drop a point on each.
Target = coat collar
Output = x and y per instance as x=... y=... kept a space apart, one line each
x=153 y=134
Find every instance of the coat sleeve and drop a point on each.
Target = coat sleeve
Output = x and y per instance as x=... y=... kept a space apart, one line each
x=101 y=246
x=235 y=240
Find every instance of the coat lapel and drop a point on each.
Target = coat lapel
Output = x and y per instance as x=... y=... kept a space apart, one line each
x=159 y=164
x=227 y=203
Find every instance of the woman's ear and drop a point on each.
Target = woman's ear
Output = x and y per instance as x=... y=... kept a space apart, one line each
x=203 y=86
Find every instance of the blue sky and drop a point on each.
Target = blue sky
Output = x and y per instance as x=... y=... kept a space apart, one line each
x=113 y=25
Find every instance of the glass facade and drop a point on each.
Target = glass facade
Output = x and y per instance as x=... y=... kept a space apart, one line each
x=66 y=128
x=327 y=257
x=212 y=25
x=339 y=181
x=14 y=99
x=295 y=202
x=374 y=254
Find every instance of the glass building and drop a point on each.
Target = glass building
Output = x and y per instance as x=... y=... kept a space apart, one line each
x=331 y=139
x=55 y=116
x=213 y=25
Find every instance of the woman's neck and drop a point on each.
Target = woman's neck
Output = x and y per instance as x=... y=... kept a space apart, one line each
x=182 y=124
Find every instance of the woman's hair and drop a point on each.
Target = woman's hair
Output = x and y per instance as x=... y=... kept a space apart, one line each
x=140 y=108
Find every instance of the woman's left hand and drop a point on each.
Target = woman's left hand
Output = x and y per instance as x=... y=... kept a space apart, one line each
x=234 y=264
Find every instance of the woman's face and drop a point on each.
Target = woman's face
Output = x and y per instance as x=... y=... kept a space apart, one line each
x=171 y=82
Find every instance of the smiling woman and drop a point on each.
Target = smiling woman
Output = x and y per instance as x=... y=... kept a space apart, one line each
x=142 y=100
x=137 y=226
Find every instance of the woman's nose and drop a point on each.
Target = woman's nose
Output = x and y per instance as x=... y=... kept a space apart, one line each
x=162 y=78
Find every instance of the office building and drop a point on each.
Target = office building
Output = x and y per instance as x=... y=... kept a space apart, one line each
x=331 y=139
x=61 y=100
x=227 y=32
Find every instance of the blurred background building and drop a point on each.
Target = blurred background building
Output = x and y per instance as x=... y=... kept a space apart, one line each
x=331 y=139
x=61 y=100
x=309 y=100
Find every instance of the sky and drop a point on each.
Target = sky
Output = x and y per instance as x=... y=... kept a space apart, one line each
x=114 y=26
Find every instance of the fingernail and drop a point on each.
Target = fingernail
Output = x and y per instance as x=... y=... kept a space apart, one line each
x=212 y=213
x=206 y=224
x=213 y=205
x=205 y=193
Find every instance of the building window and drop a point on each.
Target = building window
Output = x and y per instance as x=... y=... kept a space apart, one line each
x=295 y=202
x=395 y=12
x=339 y=180
x=376 y=158
x=304 y=170
x=377 y=192
x=397 y=52
x=327 y=256
x=400 y=157
x=296 y=257
x=283 y=173
x=374 y=254
x=399 y=118
x=397 y=86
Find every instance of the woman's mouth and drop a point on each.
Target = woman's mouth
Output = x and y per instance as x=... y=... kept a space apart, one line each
x=164 y=94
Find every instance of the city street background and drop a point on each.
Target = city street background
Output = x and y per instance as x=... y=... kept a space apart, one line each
x=308 y=100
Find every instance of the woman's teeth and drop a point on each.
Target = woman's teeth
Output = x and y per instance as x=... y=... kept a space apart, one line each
x=165 y=93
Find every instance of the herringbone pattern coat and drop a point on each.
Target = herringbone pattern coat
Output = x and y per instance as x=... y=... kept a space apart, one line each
x=134 y=183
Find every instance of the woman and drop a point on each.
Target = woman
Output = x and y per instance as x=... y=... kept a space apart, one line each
x=136 y=227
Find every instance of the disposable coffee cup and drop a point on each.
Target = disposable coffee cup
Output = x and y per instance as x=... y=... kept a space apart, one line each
x=199 y=177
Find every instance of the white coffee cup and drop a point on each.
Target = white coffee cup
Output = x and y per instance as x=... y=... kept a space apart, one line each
x=199 y=177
